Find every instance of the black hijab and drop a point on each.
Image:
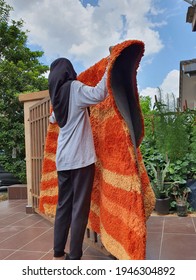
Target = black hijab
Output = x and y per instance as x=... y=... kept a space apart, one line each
x=60 y=78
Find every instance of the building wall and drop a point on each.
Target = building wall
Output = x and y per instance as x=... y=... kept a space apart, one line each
x=187 y=90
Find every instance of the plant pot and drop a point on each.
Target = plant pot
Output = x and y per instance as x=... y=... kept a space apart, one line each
x=181 y=209
x=162 y=205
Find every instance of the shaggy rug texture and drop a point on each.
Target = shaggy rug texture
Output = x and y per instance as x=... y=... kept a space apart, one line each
x=122 y=197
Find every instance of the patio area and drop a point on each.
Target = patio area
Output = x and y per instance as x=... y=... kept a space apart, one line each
x=30 y=237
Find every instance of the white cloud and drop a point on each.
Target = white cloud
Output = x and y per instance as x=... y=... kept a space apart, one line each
x=67 y=28
x=170 y=85
x=83 y=34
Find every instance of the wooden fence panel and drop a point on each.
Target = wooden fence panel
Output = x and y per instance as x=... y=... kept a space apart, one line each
x=39 y=120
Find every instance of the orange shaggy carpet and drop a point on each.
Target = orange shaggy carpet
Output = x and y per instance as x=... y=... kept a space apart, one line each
x=122 y=198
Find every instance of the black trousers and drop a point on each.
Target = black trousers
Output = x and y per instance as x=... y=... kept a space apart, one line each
x=74 y=196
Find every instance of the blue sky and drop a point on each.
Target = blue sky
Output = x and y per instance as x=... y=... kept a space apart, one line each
x=178 y=39
x=83 y=31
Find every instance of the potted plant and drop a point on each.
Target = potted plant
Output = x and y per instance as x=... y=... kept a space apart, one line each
x=161 y=188
x=180 y=194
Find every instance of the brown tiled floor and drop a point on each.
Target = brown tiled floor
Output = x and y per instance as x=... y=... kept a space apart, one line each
x=30 y=237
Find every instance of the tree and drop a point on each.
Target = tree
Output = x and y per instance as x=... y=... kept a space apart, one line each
x=145 y=102
x=20 y=71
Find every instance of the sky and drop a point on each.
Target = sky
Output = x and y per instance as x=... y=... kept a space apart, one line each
x=83 y=30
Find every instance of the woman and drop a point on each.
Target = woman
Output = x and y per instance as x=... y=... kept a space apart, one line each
x=75 y=157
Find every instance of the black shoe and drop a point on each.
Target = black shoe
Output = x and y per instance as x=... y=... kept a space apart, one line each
x=67 y=257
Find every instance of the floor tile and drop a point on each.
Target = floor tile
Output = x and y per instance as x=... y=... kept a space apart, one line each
x=179 y=225
x=155 y=224
x=47 y=256
x=92 y=252
x=194 y=222
x=25 y=255
x=30 y=236
x=43 y=242
x=5 y=253
x=22 y=238
x=153 y=245
x=8 y=231
x=95 y=257
x=178 y=247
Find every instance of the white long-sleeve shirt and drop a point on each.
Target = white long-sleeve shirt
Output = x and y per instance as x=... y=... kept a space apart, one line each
x=75 y=148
